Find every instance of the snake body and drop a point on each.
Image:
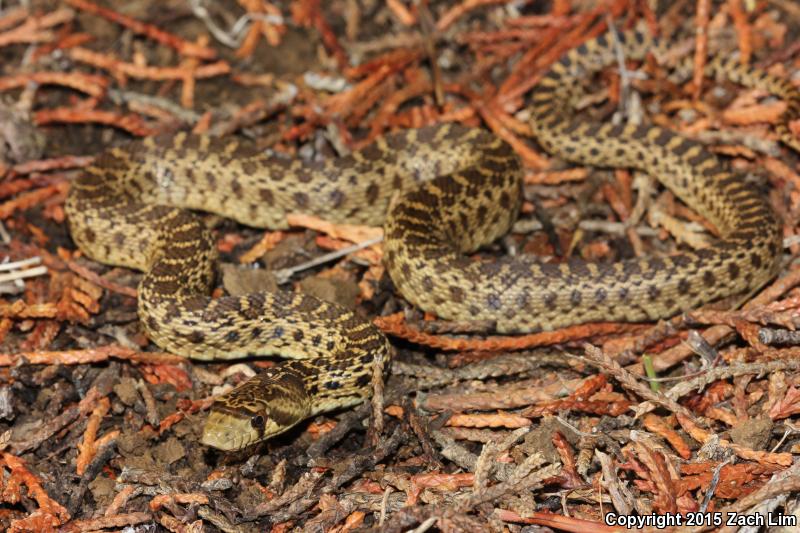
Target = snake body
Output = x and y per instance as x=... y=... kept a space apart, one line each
x=457 y=188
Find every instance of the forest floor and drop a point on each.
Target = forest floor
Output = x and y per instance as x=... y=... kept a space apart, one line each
x=99 y=428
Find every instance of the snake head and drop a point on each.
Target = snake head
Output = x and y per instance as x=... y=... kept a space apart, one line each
x=231 y=431
x=262 y=407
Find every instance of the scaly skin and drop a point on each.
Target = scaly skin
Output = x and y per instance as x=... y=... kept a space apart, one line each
x=458 y=189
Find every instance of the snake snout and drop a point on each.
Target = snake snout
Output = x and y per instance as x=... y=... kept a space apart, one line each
x=229 y=432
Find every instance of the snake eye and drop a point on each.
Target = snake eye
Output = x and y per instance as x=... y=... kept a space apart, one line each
x=258 y=423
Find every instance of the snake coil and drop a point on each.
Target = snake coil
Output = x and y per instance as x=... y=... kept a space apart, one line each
x=459 y=189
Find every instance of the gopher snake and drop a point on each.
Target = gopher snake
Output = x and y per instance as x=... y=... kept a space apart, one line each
x=461 y=189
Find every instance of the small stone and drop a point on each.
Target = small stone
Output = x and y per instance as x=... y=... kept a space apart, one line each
x=169 y=451
x=239 y=281
x=753 y=433
x=103 y=489
x=6 y=405
x=126 y=391
x=339 y=291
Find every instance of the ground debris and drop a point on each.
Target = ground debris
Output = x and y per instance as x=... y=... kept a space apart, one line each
x=99 y=430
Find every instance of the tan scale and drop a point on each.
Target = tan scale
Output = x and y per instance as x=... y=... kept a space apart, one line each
x=459 y=189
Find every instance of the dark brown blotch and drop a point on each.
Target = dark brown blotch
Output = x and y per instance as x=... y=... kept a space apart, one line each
x=663 y=138
x=505 y=201
x=575 y=298
x=301 y=200
x=236 y=187
x=337 y=198
x=600 y=295
x=249 y=167
x=372 y=152
x=700 y=158
x=733 y=270
x=755 y=260
x=456 y=294
x=641 y=131
x=372 y=192
x=362 y=380
x=480 y=215
x=684 y=146
x=428 y=134
x=266 y=196
x=683 y=286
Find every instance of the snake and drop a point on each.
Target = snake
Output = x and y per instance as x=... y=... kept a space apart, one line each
x=441 y=193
